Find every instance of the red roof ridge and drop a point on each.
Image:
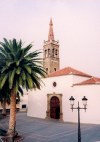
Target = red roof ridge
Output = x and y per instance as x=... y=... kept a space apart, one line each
x=68 y=71
x=92 y=80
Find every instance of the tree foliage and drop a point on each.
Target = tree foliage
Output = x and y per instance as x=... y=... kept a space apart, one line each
x=19 y=67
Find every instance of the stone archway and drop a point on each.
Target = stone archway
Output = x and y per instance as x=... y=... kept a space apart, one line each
x=49 y=97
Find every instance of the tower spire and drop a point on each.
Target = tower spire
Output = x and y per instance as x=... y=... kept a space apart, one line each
x=51 y=52
x=51 y=34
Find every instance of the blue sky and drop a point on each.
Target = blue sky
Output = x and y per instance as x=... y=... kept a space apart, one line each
x=76 y=26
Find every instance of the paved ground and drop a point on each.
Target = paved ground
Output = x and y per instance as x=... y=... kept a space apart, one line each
x=38 y=130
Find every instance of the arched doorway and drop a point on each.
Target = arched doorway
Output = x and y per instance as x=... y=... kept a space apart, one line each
x=55 y=107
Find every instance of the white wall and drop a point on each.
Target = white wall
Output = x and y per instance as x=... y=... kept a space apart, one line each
x=92 y=92
x=37 y=102
x=24 y=100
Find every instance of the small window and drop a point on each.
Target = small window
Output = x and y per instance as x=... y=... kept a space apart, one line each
x=46 y=69
x=45 y=53
x=54 y=84
x=56 y=52
x=53 y=52
x=23 y=106
x=48 y=52
x=54 y=69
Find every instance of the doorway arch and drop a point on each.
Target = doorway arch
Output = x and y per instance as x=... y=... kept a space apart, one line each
x=49 y=96
x=55 y=108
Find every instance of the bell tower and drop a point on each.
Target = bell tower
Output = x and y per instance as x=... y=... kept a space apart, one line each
x=51 y=52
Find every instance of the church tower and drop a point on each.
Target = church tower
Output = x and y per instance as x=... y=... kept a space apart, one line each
x=51 y=52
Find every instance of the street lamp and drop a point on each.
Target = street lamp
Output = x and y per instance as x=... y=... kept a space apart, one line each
x=84 y=100
x=72 y=102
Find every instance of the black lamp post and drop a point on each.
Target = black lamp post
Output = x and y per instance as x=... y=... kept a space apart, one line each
x=84 y=100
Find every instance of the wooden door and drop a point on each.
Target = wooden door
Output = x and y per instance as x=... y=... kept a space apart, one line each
x=55 y=108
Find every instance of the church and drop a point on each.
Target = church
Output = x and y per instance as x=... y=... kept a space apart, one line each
x=52 y=100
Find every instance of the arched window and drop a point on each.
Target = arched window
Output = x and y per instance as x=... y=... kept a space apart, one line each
x=48 y=52
x=54 y=69
x=53 y=52
x=47 y=70
x=45 y=53
x=56 y=52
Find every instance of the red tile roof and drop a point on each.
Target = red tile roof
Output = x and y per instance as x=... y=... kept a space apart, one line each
x=92 y=80
x=68 y=71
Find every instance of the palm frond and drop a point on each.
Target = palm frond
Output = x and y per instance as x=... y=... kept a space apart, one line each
x=19 y=67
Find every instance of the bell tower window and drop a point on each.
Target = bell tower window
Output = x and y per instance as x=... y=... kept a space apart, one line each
x=56 y=52
x=53 y=52
x=48 y=52
x=47 y=70
x=45 y=53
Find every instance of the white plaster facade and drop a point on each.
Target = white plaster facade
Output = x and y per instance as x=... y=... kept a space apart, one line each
x=37 y=100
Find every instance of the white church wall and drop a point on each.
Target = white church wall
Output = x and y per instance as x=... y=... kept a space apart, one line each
x=37 y=100
x=62 y=83
x=37 y=103
x=67 y=113
x=92 y=92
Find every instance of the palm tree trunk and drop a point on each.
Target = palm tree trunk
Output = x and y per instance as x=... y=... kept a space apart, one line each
x=4 y=107
x=12 y=121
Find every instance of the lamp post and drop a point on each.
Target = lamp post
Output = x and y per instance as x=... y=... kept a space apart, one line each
x=84 y=100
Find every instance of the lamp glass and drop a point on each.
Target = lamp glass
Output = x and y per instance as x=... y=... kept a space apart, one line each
x=72 y=100
x=84 y=100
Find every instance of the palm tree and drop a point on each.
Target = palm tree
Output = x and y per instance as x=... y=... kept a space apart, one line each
x=19 y=68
